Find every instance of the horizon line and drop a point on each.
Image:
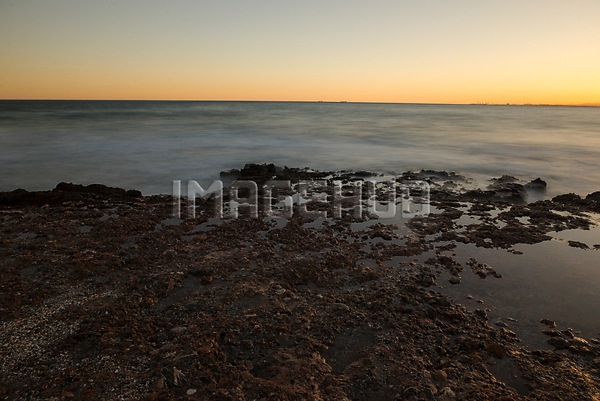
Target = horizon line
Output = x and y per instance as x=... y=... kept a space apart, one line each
x=594 y=104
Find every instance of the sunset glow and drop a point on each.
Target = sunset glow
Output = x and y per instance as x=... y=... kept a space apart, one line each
x=408 y=52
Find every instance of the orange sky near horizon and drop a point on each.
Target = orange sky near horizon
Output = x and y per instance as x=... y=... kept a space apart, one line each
x=540 y=52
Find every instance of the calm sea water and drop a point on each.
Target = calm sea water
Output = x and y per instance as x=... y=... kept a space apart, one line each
x=147 y=144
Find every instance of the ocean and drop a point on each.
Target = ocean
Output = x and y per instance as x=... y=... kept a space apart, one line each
x=146 y=145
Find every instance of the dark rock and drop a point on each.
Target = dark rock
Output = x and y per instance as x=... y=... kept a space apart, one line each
x=568 y=333
x=496 y=349
x=426 y=280
x=548 y=322
x=578 y=341
x=558 y=342
x=595 y=197
x=504 y=179
x=97 y=189
x=567 y=198
x=577 y=244
x=538 y=185
x=481 y=313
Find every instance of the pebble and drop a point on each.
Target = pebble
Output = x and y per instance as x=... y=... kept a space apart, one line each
x=454 y=280
x=178 y=330
x=191 y=391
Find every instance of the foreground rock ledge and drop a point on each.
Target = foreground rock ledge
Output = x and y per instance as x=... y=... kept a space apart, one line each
x=105 y=296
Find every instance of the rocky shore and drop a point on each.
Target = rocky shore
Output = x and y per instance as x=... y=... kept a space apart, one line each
x=104 y=295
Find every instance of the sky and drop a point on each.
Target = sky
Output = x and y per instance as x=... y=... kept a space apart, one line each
x=436 y=51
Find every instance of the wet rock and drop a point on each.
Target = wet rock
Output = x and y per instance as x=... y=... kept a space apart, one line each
x=595 y=197
x=577 y=244
x=578 y=341
x=509 y=334
x=426 y=280
x=455 y=316
x=558 y=342
x=548 y=322
x=505 y=179
x=450 y=264
x=497 y=349
x=481 y=313
x=537 y=185
x=568 y=333
x=567 y=198
x=97 y=189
